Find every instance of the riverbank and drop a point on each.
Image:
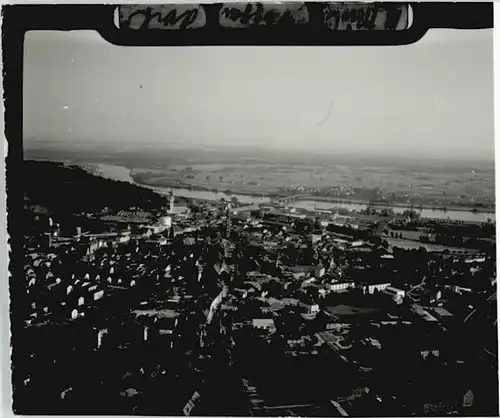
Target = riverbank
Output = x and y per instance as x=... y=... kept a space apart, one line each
x=194 y=188
x=327 y=199
x=397 y=204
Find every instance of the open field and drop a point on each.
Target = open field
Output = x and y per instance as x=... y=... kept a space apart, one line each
x=415 y=245
x=347 y=310
x=444 y=188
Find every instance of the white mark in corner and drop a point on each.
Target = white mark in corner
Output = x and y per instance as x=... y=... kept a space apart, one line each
x=65 y=107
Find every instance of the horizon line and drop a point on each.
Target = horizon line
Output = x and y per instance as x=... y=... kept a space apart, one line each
x=180 y=146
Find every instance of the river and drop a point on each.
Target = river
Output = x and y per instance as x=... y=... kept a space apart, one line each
x=457 y=215
x=124 y=174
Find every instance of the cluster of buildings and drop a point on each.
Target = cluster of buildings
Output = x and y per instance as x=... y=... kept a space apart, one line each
x=185 y=287
x=345 y=282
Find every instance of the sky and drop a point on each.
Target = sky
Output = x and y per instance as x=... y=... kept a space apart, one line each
x=432 y=99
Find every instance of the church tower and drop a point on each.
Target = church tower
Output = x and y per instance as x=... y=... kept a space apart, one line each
x=228 y=221
x=171 y=199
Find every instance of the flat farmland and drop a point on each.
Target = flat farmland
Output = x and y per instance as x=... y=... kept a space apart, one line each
x=435 y=185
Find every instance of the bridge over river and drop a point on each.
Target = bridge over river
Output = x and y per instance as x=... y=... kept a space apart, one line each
x=281 y=200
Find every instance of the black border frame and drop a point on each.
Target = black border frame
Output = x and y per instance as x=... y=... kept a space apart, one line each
x=19 y=19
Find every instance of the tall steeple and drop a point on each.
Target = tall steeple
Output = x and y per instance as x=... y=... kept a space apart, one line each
x=171 y=199
x=228 y=221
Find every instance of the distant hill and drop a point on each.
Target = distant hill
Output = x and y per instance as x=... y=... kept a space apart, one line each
x=62 y=188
